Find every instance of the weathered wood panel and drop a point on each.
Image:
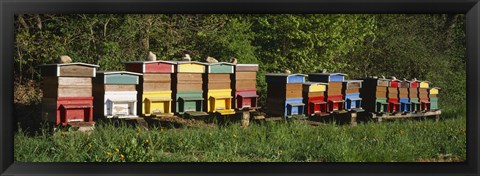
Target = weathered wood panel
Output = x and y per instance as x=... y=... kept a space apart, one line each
x=67 y=81
x=245 y=75
x=156 y=86
x=77 y=70
x=189 y=87
x=154 y=78
x=53 y=91
x=118 y=87
x=246 y=84
x=246 y=68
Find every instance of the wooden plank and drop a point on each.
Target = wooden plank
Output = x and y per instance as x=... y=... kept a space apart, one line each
x=218 y=85
x=156 y=86
x=218 y=77
x=246 y=68
x=246 y=75
x=77 y=70
x=245 y=84
x=67 y=81
x=153 y=78
x=189 y=86
x=67 y=91
x=117 y=87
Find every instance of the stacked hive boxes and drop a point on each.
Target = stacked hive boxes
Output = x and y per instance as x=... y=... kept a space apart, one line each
x=245 y=86
x=392 y=95
x=433 y=92
x=284 y=94
x=413 y=96
x=116 y=94
x=403 y=94
x=155 y=88
x=351 y=90
x=67 y=93
x=335 y=101
x=423 y=95
x=374 y=94
x=217 y=88
x=187 y=87
x=314 y=98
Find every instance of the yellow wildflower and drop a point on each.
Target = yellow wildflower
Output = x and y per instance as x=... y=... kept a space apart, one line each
x=108 y=153
x=117 y=150
x=122 y=156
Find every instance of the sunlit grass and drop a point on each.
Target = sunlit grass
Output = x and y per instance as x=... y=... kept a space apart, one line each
x=403 y=141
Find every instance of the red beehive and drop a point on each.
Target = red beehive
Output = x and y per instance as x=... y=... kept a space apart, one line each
x=67 y=93
x=392 y=95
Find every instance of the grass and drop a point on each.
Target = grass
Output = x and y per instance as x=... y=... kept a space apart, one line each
x=404 y=141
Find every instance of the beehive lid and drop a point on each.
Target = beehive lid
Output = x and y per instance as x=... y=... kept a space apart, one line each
x=76 y=69
x=146 y=62
x=118 y=77
x=220 y=67
x=246 y=67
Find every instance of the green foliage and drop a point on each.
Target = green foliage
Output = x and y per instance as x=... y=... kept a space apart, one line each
x=424 y=46
x=403 y=141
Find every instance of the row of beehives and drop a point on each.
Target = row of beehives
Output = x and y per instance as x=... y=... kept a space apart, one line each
x=325 y=93
x=76 y=92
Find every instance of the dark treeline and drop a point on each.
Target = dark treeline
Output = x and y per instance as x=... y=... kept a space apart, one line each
x=427 y=47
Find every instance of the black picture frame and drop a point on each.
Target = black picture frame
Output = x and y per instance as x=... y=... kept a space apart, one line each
x=10 y=7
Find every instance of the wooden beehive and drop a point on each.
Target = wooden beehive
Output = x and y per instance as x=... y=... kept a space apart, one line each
x=334 y=97
x=314 y=98
x=187 y=87
x=413 y=96
x=392 y=95
x=155 y=86
x=403 y=94
x=374 y=94
x=351 y=93
x=284 y=94
x=67 y=93
x=423 y=95
x=433 y=97
x=116 y=94
x=217 y=88
x=244 y=84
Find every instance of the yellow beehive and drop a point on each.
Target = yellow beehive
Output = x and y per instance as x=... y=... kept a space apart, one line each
x=220 y=100
x=424 y=84
x=434 y=90
x=157 y=102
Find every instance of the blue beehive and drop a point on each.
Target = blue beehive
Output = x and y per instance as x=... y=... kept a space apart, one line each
x=284 y=94
x=351 y=93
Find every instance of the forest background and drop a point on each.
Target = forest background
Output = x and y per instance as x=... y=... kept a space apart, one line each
x=423 y=46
